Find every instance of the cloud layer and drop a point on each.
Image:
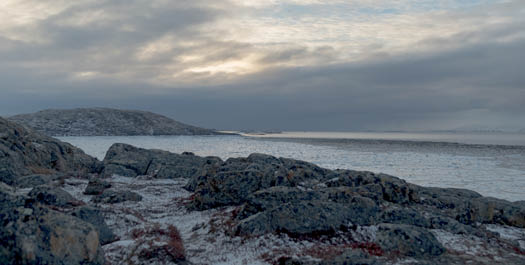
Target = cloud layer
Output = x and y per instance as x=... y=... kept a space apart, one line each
x=296 y=65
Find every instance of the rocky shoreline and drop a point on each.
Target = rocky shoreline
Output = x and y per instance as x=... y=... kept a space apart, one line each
x=138 y=206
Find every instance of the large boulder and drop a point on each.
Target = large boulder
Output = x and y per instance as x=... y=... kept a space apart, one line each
x=129 y=161
x=309 y=218
x=53 y=196
x=321 y=208
x=469 y=207
x=25 y=152
x=237 y=178
x=380 y=186
x=32 y=181
x=33 y=234
x=408 y=240
x=93 y=216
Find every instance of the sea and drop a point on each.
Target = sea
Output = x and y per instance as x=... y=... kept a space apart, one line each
x=490 y=163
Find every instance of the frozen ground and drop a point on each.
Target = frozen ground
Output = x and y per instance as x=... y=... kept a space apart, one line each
x=205 y=234
x=492 y=170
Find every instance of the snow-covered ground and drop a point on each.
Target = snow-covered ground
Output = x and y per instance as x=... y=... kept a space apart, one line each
x=497 y=171
x=205 y=234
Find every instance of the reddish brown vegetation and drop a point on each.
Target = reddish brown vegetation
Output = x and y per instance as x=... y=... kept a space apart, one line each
x=325 y=252
x=175 y=246
x=224 y=220
x=134 y=213
x=372 y=248
x=160 y=243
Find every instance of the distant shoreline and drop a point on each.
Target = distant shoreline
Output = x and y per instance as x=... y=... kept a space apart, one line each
x=471 y=138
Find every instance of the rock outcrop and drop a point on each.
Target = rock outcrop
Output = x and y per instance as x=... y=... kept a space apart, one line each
x=93 y=216
x=25 y=152
x=53 y=196
x=105 y=122
x=133 y=208
x=285 y=196
x=129 y=161
x=34 y=234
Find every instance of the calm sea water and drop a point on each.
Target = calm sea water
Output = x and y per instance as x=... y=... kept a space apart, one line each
x=491 y=164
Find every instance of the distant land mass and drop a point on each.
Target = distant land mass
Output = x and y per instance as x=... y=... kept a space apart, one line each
x=105 y=122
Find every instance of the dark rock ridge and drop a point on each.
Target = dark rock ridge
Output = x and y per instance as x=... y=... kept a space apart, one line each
x=280 y=195
x=105 y=122
x=35 y=228
x=25 y=152
x=129 y=161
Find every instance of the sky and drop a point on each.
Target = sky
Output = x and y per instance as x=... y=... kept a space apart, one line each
x=331 y=65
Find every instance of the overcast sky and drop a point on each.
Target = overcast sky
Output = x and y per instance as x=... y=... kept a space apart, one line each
x=268 y=64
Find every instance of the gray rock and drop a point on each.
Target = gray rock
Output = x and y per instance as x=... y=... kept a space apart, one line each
x=104 y=121
x=408 y=240
x=451 y=225
x=129 y=161
x=382 y=186
x=32 y=181
x=53 y=196
x=116 y=196
x=24 y=152
x=469 y=207
x=96 y=186
x=33 y=234
x=492 y=210
x=402 y=215
x=234 y=180
x=309 y=218
x=93 y=216
x=273 y=197
x=443 y=198
x=7 y=194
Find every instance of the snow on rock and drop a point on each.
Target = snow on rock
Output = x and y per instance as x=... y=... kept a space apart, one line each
x=145 y=232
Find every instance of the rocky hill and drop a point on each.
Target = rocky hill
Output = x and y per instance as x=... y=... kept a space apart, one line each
x=105 y=122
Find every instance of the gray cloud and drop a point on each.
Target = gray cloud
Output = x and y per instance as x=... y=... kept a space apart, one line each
x=465 y=80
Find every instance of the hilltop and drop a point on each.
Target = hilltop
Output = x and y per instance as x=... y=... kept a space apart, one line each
x=105 y=122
